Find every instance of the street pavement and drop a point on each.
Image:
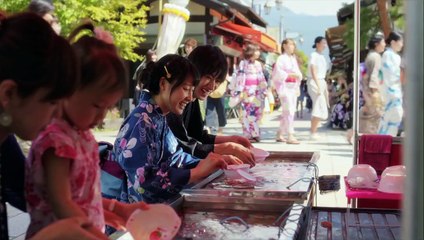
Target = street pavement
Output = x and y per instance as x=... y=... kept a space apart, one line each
x=336 y=158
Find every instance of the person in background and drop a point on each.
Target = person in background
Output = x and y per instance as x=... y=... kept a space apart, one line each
x=301 y=98
x=317 y=87
x=150 y=57
x=45 y=9
x=253 y=92
x=62 y=168
x=28 y=100
x=392 y=86
x=370 y=113
x=157 y=169
x=212 y=65
x=189 y=45
x=215 y=106
x=339 y=112
x=286 y=78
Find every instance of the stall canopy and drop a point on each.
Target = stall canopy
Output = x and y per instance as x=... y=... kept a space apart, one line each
x=246 y=11
x=340 y=54
x=266 y=42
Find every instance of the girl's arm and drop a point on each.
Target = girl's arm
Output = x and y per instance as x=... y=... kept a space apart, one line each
x=57 y=179
x=68 y=229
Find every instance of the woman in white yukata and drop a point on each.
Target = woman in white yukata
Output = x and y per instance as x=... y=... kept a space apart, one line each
x=286 y=78
x=391 y=86
x=317 y=87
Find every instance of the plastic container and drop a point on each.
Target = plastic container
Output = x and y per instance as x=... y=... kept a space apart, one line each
x=240 y=171
x=362 y=176
x=393 y=179
x=260 y=154
x=159 y=222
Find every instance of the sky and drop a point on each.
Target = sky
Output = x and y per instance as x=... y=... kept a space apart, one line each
x=315 y=7
x=309 y=7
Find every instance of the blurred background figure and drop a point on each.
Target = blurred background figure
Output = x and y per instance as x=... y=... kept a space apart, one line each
x=189 y=45
x=303 y=91
x=254 y=89
x=286 y=78
x=370 y=113
x=317 y=87
x=341 y=111
x=215 y=108
x=150 y=57
x=392 y=86
x=45 y=9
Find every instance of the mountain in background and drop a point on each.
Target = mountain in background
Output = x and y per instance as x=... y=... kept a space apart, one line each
x=294 y=24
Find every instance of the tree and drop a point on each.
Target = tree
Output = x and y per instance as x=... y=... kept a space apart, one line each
x=125 y=19
x=371 y=24
x=303 y=62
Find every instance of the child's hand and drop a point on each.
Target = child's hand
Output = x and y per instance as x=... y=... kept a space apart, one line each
x=125 y=210
x=68 y=229
x=119 y=215
x=114 y=220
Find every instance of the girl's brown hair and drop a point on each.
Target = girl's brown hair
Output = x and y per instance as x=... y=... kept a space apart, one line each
x=250 y=50
x=287 y=41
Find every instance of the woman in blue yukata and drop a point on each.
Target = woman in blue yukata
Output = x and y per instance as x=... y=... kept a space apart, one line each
x=156 y=168
x=391 y=86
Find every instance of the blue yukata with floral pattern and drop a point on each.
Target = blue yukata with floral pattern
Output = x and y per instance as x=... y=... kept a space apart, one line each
x=156 y=168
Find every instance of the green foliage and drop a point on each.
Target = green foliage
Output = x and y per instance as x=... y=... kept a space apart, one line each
x=303 y=62
x=370 y=23
x=125 y=19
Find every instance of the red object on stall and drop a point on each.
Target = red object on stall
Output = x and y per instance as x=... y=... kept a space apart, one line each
x=373 y=150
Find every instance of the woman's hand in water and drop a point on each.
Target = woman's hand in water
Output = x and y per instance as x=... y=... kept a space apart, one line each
x=207 y=166
x=237 y=150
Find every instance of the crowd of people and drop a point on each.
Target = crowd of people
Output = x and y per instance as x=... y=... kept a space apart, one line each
x=162 y=145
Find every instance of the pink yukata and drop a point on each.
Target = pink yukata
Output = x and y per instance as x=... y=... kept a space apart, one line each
x=287 y=89
x=254 y=91
x=79 y=146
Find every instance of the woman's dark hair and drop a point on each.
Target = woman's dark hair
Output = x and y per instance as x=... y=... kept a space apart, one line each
x=372 y=43
x=317 y=40
x=174 y=68
x=98 y=61
x=210 y=60
x=393 y=36
x=40 y=7
x=35 y=57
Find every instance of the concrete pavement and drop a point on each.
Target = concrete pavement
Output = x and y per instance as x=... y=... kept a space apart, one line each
x=336 y=158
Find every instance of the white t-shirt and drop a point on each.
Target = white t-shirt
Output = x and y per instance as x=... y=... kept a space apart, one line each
x=319 y=61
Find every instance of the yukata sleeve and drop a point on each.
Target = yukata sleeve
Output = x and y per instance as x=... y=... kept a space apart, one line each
x=149 y=178
x=177 y=127
x=279 y=75
x=263 y=85
x=392 y=68
x=188 y=144
x=374 y=78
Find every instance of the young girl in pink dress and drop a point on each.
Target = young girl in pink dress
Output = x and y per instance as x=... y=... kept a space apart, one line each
x=286 y=77
x=63 y=173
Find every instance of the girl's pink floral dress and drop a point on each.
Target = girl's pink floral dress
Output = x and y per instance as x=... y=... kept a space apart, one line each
x=79 y=146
